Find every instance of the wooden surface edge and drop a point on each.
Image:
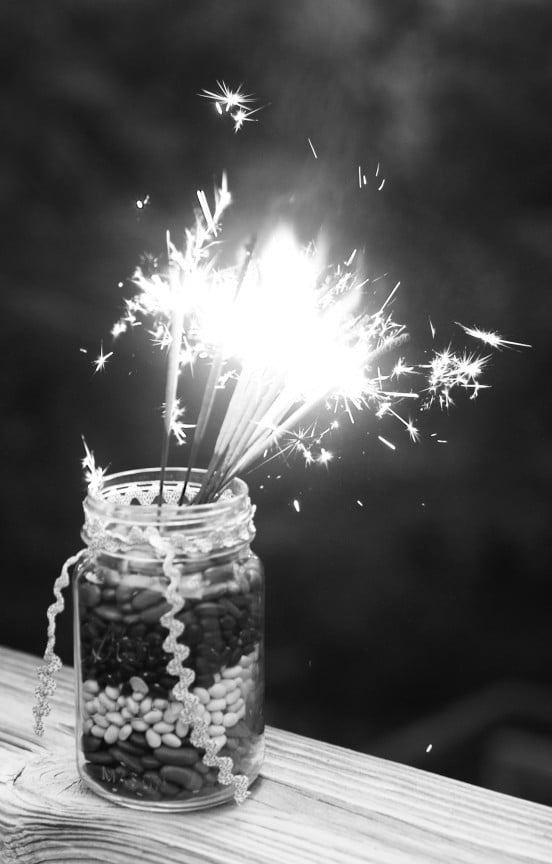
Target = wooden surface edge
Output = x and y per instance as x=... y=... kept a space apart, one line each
x=315 y=802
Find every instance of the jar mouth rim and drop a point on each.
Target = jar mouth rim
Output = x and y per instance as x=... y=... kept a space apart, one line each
x=121 y=492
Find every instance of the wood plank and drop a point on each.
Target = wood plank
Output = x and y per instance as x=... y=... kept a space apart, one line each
x=314 y=803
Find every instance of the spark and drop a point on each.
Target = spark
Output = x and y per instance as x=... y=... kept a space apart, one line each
x=297 y=505
x=359 y=177
x=314 y=153
x=232 y=102
x=142 y=202
x=429 y=748
x=359 y=502
x=93 y=474
x=101 y=360
x=382 y=184
x=490 y=337
x=386 y=442
x=177 y=426
x=119 y=328
x=432 y=328
x=83 y=350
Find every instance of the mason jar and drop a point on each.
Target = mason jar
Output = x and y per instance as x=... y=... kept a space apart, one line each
x=168 y=729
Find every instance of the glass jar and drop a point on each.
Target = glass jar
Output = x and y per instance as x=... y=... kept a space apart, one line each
x=157 y=727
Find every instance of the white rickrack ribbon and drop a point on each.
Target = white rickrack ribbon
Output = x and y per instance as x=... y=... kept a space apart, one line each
x=191 y=707
x=46 y=681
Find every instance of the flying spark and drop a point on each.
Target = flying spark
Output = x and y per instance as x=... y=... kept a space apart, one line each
x=386 y=442
x=489 y=337
x=314 y=153
x=101 y=360
x=296 y=505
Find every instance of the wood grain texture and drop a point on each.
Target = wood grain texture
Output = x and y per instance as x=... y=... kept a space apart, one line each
x=314 y=803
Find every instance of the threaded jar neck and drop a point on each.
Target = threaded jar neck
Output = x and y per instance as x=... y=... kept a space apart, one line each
x=125 y=515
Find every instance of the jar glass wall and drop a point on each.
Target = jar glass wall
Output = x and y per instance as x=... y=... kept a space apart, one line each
x=134 y=742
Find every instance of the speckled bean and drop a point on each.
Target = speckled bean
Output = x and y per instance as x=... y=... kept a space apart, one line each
x=216 y=717
x=219 y=740
x=131 y=762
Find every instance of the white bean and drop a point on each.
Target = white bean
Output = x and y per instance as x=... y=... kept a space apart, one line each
x=230 y=719
x=171 y=740
x=139 y=725
x=233 y=672
x=220 y=740
x=229 y=684
x=97 y=731
x=241 y=712
x=115 y=718
x=126 y=714
x=246 y=661
x=112 y=693
x=111 y=734
x=162 y=728
x=132 y=706
x=152 y=717
x=145 y=705
x=91 y=706
x=87 y=725
x=160 y=703
x=108 y=703
x=125 y=731
x=139 y=684
x=181 y=728
x=216 y=730
x=153 y=739
x=202 y=695
x=91 y=686
x=216 y=691
x=233 y=696
x=137 y=696
x=100 y=720
x=172 y=713
x=216 y=705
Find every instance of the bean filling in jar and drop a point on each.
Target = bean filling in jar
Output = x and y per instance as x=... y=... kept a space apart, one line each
x=136 y=744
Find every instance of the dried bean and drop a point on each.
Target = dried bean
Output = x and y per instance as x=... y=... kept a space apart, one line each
x=154 y=613
x=145 y=598
x=108 y=613
x=129 y=761
x=183 y=756
x=185 y=777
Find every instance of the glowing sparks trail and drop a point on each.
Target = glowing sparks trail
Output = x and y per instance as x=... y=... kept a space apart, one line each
x=311 y=145
x=489 y=337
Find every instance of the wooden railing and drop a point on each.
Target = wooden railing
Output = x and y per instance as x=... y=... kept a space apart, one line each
x=315 y=803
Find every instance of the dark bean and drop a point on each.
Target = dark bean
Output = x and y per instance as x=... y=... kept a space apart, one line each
x=90 y=743
x=207 y=609
x=128 y=747
x=146 y=598
x=169 y=790
x=177 y=756
x=102 y=757
x=108 y=613
x=137 y=630
x=138 y=739
x=186 y=777
x=154 y=613
x=151 y=778
x=129 y=761
x=89 y=594
x=168 y=681
x=228 y=622
x=204 y=681
x=192 y=634
x=132 y=618
x=149 y=762
x=124 y=593
x=188 y=618
x=230 y=607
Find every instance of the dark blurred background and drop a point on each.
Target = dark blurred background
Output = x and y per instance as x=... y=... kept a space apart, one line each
x=416 y=626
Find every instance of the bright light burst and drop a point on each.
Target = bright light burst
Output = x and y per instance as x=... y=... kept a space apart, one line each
x=284 y=334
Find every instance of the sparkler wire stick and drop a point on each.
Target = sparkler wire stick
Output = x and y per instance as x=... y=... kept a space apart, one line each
x=209 y=394
x=177 y=329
